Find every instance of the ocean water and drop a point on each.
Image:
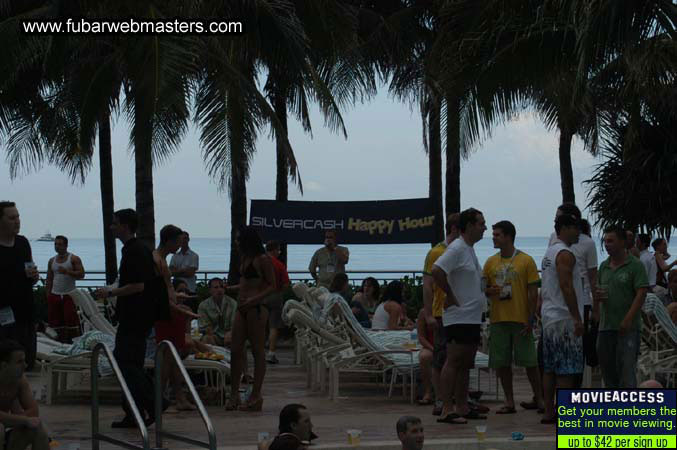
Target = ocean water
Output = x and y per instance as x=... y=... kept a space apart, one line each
x=400 y=258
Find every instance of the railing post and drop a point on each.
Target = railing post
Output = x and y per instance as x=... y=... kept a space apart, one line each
x=167 y=346
x=96 y=436
x=94 y=375
x=159 y=352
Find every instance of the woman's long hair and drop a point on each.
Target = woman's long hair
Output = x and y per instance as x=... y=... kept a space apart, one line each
x=250 y=242
x=393 y=292
x=376 y=291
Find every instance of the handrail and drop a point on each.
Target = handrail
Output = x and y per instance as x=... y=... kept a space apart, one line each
x=96 y=436
x=95 y=278
x=159 y=433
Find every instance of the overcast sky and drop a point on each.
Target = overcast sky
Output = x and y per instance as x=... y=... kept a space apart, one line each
x=513 y=176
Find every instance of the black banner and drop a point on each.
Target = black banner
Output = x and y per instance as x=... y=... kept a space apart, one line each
x=369 y=222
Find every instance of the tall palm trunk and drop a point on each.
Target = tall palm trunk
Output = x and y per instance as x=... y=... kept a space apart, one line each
x=435 y=167
x=238 y=190
x=566 y=172
x=453 y=173
x=281 y=182
x=143 y=159
x=107 y=199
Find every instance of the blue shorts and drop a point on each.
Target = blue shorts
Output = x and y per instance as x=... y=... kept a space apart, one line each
x=562 y=350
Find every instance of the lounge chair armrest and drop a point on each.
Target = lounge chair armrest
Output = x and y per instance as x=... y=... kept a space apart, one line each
x=356 y=358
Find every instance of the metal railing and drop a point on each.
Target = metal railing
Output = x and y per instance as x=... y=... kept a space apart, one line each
x=96 y=435
x=98 y=278
x=159 y=432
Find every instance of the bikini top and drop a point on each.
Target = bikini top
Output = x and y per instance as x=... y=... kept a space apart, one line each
x=250 y=272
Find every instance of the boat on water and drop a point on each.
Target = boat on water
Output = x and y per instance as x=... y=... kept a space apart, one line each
x=45 y=238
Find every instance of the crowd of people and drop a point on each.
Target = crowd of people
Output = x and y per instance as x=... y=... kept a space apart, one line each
x=582 y=311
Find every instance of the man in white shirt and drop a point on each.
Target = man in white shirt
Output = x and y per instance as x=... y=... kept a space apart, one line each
x=62 y=272
x=459 y=274
x=185 y=263
x=647 y=259
x=561 y=313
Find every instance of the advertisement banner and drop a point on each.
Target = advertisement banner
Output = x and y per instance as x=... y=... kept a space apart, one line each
x=616 y=418
x=364 y=222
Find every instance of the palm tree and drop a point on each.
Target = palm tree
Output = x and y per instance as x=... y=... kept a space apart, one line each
x=81 y=89
x=414 y=80
x=230 y=110
x=334 y=75
x=508 y=57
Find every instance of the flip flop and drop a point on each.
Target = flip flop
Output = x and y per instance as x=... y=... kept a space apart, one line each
x=474 y=415
x=423 y=402
x=506 y=410
x=475 y=395
x=479 y=408
x=452 y=418
x=529 y=405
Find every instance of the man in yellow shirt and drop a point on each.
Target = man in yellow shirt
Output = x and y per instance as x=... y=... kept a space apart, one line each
x=512 y=279
x=433 y=305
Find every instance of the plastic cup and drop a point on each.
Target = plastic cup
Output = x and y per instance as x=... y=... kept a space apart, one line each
x=263 y=436
x=354 y=437
x=481 y=432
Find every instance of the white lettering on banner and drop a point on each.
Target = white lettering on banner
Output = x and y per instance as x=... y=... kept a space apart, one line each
x=297 y=224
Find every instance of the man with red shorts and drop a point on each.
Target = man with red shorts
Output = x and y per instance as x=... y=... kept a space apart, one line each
x=62 y=271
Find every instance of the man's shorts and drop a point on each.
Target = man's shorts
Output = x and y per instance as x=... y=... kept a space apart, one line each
x=562 y=350
x=61 y=311
x=274 y=304
x=439 y=346
x=463 y=333
x=506 y=339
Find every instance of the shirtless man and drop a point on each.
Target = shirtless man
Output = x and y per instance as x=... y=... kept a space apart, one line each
x=62 y=271
x=20 y=426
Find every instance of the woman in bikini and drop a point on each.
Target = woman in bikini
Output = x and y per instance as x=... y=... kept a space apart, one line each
x=256 y=283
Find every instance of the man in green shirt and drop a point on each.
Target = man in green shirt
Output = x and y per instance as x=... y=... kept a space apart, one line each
x=621 y=289
x=217 y=314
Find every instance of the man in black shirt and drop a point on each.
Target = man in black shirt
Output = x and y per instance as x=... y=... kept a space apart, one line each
x=135 y=311
x=18 y=274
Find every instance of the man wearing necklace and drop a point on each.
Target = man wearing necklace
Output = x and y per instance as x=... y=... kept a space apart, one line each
x=512 y=279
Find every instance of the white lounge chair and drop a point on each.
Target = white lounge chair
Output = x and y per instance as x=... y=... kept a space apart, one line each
x=659 y=340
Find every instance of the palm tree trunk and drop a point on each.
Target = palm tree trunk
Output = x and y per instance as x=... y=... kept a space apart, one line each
x=453 y=173
x=107 y=199
x=238 y=191
x=281 y=182
x=566 y=172
x=143 y=159
x=435 y=167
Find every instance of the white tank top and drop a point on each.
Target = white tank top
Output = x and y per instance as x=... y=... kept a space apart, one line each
x=380 y=319
x=62 y=283
x=554 y=307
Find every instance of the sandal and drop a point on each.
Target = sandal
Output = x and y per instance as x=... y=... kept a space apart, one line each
x=479 y=408
x=529 y=405
x=474 y=415
x=232 y=405
x=506 y=410
x=256 y=405
x=425 y=402
x=453 y=418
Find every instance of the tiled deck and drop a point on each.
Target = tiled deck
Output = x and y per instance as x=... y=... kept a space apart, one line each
x=364 y=406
